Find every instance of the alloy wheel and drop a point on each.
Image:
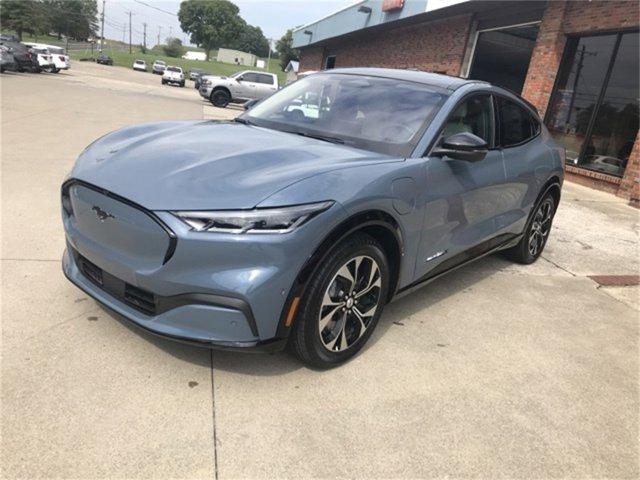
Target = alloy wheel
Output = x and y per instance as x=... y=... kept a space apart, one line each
x=350 y=303
x=540 y=227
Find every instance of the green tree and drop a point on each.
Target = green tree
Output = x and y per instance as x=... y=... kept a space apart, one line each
x=73 y=18
x=173 y=48
x=22 y=16
x=211 y=23
x=253 y=41
x=285 y=49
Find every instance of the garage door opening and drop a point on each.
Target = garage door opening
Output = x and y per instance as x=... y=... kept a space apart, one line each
x=502 y=55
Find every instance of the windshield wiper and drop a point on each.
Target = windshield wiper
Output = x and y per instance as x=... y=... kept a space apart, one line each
x=243 y=121
x=324 y=138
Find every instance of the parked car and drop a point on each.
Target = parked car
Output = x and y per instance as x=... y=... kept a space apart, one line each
x=173 y=75
x=104 y=59
x=278 y=227
x=605 y=164
x=61 y=60
x=158 y=67
x=140 y=65
x=24 y=58
x=7 y=62
x=194 y=73
x=238 y=88
x=45 y=61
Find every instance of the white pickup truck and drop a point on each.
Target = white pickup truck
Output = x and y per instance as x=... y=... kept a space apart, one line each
x=240 y=87
x=173 y=75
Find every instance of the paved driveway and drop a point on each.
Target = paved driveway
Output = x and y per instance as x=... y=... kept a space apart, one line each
x=494 y=371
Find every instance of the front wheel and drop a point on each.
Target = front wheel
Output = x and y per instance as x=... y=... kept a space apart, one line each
x=220 y=98
x=536 y=234
x=343 y=303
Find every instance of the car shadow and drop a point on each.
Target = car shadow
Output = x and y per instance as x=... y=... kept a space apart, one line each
x=398 y=313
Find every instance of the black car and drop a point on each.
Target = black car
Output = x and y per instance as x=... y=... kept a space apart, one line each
x=104 y=60
x=24 y=57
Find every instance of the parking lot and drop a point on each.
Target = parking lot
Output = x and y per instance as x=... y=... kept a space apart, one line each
x=496 y=370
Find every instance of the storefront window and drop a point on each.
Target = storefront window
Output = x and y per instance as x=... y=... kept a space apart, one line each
x=594 y=109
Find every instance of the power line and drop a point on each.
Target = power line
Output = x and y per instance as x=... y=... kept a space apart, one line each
x=155 y=8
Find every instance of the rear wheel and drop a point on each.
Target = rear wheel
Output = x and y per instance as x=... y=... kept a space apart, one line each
x=181 y=84
x=536 y=234
x=343 y=303
x=220 y=98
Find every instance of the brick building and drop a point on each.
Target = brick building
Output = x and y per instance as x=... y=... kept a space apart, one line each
x=576 y=61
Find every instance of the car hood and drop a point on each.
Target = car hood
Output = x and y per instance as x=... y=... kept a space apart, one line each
x=203 y=165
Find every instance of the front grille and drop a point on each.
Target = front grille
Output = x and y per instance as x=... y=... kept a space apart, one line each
x=135 y=297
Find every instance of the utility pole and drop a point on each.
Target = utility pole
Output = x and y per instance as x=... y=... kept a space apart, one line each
x=130 y=32
x=102 y=27
x=144 y=36
x=269 y=57
x=159 y=33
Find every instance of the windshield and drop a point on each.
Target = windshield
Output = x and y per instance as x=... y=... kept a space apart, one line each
x=378 y=114
x=160 y=62
x=174 y=69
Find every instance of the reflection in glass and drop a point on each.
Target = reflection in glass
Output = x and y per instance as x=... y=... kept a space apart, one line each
x=616 y=124
x=579 y=84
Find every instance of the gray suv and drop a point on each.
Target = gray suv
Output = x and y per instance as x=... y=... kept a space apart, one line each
x=238 y=88
x=299 y=221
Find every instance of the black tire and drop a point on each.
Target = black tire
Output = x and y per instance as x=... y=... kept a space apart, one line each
x=163 y=82
x=536 y=233
x=343 y=335
x=55 y=70
x=182 y=85
x=220 y=98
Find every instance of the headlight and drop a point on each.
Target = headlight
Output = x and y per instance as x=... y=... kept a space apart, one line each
x=260 y=220
x=205 y=82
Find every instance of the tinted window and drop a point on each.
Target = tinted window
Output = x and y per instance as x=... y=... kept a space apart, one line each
x=330 y=62
x=516 y=124
x=474 y=115
x=249 y=77
x=266 y=79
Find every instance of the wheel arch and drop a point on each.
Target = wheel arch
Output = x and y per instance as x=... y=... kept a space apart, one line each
x=378 y=224
x=221 y=87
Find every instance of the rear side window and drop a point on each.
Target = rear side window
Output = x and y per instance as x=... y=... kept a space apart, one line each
x=249 y=77
x=517 y=125
x=266 y=79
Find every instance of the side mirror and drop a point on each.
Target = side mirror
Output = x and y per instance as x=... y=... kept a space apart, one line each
x=462 y=146
x=250 y=104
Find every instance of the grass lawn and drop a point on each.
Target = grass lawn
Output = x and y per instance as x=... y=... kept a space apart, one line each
x=121 y=57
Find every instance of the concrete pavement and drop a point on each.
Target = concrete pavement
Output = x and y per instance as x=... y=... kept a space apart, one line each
x=496 y=370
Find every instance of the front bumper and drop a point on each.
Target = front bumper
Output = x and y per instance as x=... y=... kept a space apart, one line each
x=185 y=318
x=205 y=92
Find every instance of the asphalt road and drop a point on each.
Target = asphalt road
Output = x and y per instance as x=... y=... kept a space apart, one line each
x=494 y=371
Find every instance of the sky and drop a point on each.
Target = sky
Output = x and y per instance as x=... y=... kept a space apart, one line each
x=273 y=16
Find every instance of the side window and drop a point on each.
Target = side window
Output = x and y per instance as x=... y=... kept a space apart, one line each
x=516 y=124
x=266 y=79
x=474 y=115
x=250 y=77
x=330 y=62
